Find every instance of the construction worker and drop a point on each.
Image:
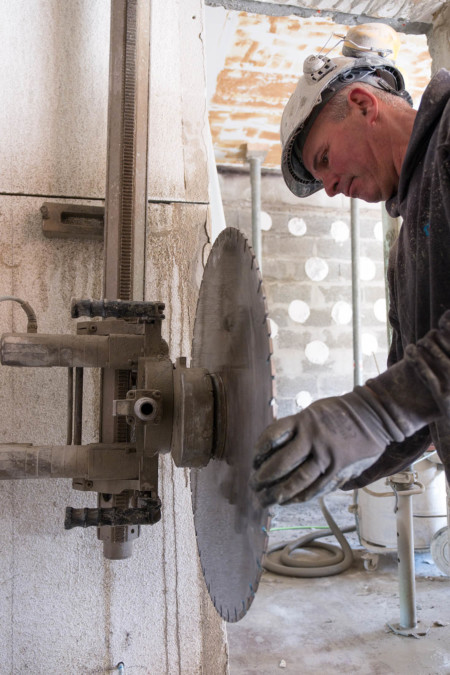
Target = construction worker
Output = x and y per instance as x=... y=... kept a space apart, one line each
x=349 y=127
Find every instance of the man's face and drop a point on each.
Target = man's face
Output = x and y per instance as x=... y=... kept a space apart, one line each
x=349 y=157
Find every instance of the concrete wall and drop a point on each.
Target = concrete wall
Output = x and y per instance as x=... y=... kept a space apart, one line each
x=404 y=15
x=307 y=278
x=439 y=39
x=63 y=607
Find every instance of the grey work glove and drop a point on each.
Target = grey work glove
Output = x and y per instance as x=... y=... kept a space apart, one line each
x=335 y=439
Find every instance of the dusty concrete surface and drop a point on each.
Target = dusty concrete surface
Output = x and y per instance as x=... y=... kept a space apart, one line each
x=439 y=39
x=338 y=624
x=407 y=15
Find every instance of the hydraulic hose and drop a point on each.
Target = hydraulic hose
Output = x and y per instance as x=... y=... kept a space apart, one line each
x=329 y=560
x=31 y=316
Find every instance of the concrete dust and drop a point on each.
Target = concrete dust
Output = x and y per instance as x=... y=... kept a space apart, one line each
x=339 y=624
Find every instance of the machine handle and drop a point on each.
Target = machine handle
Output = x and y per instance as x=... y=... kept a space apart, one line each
x=147 y=515
x=118 y=309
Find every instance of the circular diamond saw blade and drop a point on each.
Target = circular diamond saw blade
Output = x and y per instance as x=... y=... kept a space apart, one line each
x=232 y=340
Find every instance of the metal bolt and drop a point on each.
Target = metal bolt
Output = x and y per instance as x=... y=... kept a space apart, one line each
x=145 y=409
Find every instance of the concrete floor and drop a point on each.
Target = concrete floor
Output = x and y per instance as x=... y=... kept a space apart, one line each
x=337 y=624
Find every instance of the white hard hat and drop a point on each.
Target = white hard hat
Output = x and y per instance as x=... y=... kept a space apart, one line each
x=322 y=78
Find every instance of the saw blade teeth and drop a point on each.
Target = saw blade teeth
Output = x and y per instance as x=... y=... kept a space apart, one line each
x=272 y=369
x=232 y=288
x=274 y=410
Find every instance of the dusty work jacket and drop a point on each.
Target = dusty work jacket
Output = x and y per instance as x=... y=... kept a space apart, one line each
x=419 y=264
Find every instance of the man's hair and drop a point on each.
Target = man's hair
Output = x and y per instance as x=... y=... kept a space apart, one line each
x=338 y=107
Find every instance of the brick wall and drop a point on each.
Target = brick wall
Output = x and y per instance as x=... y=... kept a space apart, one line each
x=307 y=275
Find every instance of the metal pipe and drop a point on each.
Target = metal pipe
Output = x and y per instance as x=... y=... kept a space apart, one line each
x=391 y=228
x=405 y=557
x=255 y=155
x=255 y=179
x=78 y=411
x=356 y=293
x=95 y=461
x=88 y=351
x=405 y=528
x=19 y=462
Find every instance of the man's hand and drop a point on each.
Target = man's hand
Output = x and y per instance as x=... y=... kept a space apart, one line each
x=335 y=439
x=317 y=450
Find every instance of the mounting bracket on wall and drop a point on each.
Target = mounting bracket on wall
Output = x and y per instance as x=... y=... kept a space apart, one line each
x=72 y=221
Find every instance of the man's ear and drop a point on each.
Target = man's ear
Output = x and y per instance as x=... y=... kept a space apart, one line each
x=364 y=101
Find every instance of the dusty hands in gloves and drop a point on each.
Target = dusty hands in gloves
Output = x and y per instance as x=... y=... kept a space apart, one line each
x=335 y=439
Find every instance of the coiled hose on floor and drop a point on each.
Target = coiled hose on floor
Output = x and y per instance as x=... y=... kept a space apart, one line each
x=326 y=560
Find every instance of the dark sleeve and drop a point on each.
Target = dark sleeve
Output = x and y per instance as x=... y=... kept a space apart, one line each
x=396 y=457
x=443 y=161
x=396 y=348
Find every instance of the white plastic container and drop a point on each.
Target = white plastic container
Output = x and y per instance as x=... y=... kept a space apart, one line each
x=375 y=516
